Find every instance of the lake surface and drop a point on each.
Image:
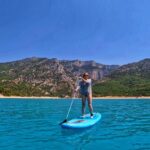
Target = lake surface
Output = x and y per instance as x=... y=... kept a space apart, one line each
x=33 y=125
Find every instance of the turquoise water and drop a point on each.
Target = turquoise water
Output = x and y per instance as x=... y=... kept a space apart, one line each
x=33 y=125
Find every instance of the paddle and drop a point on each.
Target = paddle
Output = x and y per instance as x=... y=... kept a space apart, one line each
x=68 y=110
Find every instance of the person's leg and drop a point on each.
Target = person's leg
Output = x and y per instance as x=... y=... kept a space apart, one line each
x=90 y=103
x=83 y=104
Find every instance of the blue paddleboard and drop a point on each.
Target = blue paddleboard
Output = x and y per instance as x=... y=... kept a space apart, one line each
x=81 y=122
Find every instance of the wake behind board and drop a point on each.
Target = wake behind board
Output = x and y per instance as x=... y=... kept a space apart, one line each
x=80 y=122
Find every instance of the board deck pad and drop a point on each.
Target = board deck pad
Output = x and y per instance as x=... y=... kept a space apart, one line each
x=82 y=122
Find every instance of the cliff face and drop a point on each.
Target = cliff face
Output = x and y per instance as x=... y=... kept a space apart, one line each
x=46 y=77
x=97 y=71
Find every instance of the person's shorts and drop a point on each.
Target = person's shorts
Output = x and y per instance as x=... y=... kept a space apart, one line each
x=85 y=94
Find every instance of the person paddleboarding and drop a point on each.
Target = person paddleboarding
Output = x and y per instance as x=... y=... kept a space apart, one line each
x=84 y=86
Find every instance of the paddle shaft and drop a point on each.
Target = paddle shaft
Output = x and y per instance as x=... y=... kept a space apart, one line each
x=70 y=107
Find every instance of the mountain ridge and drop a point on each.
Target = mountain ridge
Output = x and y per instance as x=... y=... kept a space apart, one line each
x=52 y=77
x=47 y=77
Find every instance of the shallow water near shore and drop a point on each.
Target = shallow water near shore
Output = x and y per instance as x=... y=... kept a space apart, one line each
x=34 y=125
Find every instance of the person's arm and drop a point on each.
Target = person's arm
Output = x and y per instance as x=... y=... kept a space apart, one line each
x=77 y=88
x=77 y=85
x=87 y=81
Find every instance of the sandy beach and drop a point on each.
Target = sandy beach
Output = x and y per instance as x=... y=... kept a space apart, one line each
x=122 y=97
x=46 y=97
x=29 y=97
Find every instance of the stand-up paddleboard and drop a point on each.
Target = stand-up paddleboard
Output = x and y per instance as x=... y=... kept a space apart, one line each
x=82 y=122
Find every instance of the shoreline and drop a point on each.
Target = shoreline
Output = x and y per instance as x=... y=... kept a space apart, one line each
x=46 y=97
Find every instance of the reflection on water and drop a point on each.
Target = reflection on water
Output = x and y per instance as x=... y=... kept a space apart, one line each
x=34 y=124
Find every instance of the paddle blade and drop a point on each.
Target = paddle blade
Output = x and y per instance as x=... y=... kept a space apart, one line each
x=63 y=122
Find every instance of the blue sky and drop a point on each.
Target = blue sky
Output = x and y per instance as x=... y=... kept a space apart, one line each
x=107 y=31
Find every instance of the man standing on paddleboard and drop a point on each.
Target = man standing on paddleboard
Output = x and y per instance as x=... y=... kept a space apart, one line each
x=84 y=85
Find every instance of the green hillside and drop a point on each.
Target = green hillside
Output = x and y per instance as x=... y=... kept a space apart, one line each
x=124 y=86
x=128 y=80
